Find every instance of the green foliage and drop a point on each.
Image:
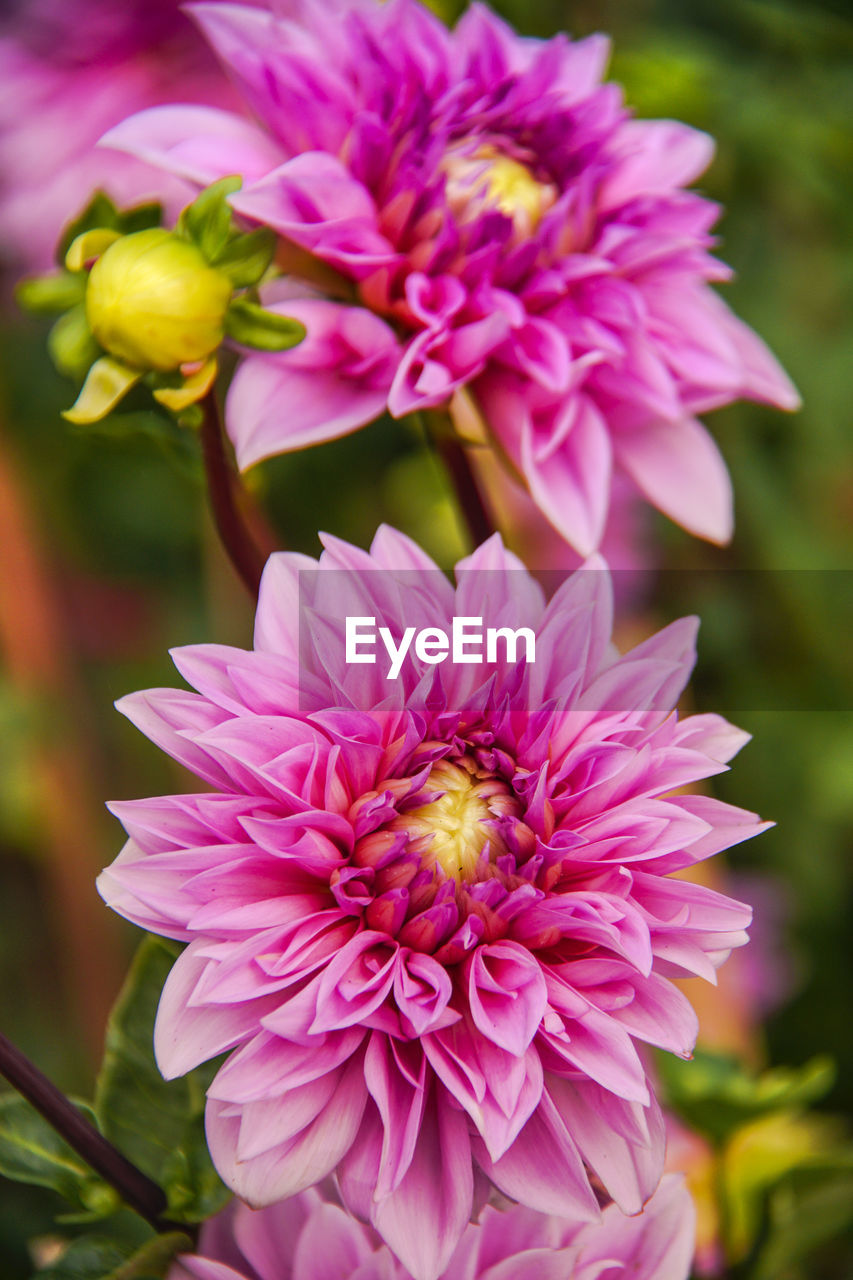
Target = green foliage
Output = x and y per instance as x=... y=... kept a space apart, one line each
x=254 y=326
x=783 y=1175
x=87 y=1258
x=97 y=1258
x=31 y=1151
x=715 y=1095
x=811 y=1208
x=157 y=1124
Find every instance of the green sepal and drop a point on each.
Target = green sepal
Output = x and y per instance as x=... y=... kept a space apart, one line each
x=97 y=1258
x=71 y=344
x=107 y=382
x=246 y=258
x=32 y=1151
x=99 y=212
x=158 y=1124
x=253 y=326
x=142 y=217
x=716 y=1095
x=50 y=295
x=90 y=245
x=207 y=221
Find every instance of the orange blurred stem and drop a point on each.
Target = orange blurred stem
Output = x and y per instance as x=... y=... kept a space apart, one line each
x=458 y=466
x=226 y=492
x=135 y=1188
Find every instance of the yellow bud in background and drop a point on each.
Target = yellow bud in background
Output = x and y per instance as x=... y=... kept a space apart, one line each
x=154 y=302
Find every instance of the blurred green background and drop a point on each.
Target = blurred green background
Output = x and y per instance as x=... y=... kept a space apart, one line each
x=108 y=559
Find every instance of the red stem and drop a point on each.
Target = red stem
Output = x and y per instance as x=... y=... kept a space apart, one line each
x=224 y=490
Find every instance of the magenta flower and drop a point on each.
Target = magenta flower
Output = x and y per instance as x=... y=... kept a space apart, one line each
x=311 y=1238
x=518 y=233
x=429 y=917
x=69 y=70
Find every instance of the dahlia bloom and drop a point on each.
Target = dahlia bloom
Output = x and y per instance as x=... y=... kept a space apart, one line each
x=311 y=1238
x=69 y=70
x=428 y=918
x=494 y=219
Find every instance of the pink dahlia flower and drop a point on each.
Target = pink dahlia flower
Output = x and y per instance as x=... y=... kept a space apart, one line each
x=311 y=1238
x=514 y=229
x=69 y=70
x=429 y=917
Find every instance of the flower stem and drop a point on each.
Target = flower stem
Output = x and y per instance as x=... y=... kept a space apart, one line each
x=135 y=1188
x=458 y=465
x=223 y=489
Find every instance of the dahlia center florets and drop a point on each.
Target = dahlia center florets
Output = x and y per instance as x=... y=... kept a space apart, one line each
x=484 y=177
x=458 y=825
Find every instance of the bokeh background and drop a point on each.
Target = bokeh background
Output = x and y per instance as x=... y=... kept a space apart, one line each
x=107 y=558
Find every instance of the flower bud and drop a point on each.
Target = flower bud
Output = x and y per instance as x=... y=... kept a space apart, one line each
x=153 y=301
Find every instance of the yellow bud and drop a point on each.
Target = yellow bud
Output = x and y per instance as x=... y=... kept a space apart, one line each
x=153 y=301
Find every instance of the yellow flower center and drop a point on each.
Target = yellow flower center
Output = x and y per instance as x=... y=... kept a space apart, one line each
x=452 y=831
x=487 y=179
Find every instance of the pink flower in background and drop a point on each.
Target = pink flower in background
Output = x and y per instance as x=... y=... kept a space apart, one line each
x=69 y=70
x=429 y=917
x=311 y=1238
x=627 y=545
x=517 y=232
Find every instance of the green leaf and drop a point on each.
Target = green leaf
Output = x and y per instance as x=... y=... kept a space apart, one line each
x=51 y=295
x=207 y=220
x=245 y=258
x=97 y=1258
x=158 y=1124
x=810 y=1209
x=31 y=1151
x=253 y=326
x=87 y=1258
x=716 y=1095
x=153 y=1259
x=72 y=346
x=99 y=212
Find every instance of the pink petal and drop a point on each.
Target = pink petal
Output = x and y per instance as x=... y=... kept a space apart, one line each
x=571 y=485
x=658 y=156
x=332 y=383
x=542 y=1168
x=622 y=1142
x=277 y=617
x=423 y=1219
x=657 y=1244
x=201 y=144
x=185 y=1036
x=681 y=471
x=506 y=995
x=331 y=1246
x=316 y=202
x=298 y=1163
